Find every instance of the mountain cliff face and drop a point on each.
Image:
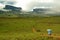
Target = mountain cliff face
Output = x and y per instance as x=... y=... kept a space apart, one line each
x=13 y=8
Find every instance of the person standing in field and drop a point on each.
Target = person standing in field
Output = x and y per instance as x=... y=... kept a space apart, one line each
x=49 y=32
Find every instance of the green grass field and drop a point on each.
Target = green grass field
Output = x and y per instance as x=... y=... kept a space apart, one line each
x=21 y=28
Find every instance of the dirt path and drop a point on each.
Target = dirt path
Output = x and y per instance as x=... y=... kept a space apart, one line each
x=54 y=36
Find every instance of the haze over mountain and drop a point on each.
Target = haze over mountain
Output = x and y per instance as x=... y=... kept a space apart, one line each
x=1 y=6
x=30 y=4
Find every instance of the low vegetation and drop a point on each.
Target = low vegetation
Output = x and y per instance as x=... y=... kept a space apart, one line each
x=22 y=28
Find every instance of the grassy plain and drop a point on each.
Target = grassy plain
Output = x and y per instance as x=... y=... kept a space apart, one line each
x=21 y=28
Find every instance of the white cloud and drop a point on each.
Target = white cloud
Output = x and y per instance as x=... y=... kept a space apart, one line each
x=1 y=6
x=29 y=4
x=45 y=1
x=10 y=2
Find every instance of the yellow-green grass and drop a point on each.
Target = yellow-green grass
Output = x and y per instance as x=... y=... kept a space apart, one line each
x=26 y=24
x=18 y=27
x=26 y=36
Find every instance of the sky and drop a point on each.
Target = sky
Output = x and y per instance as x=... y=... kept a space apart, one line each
x=29 y=4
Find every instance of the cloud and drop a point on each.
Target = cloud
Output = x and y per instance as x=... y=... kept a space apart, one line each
x=30 y=4
x=39 y=3
x=1 y=6
x=7 y=2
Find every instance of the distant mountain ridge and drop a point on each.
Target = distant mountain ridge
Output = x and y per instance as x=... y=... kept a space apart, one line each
x=12 y=11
